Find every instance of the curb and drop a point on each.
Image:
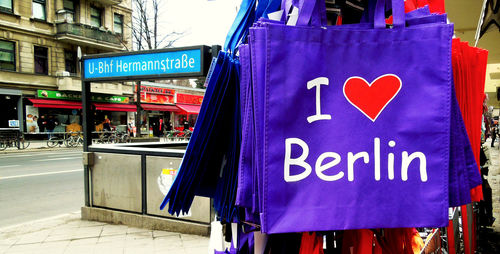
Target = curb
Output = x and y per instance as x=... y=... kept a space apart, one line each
x=39 y=149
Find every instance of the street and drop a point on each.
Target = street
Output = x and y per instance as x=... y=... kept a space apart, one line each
x=36 y=185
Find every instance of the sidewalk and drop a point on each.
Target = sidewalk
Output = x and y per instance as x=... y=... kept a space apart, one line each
x=494 y=181
x=38 y=145
x=69 y=234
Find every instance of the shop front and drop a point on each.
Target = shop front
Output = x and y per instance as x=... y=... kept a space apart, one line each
x=11 y=105
x=159 y=107
x=189 y=106
x=60 y=111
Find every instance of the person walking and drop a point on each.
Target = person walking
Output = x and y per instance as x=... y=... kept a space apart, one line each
x=42 y=122
x=494 y=133
x=50 y=125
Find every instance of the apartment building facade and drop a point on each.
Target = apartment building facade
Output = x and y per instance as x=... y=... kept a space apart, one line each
x=40 y=42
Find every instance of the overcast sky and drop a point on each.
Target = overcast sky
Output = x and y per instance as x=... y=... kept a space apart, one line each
x=205 y=22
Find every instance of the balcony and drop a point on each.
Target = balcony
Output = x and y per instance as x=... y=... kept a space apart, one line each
x=81 y=34
x=107 y=2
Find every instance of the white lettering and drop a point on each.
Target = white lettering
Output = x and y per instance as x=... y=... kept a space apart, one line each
x=163 y=68
x=320 y=167
x=91 y=68
x=351 y=159
x=119 y=66
x=405 y=163
x=390 y=162
x=317 y=82
x=376 y=154
x=300 y=161
x=184 y=61
x=101 y=67
x=191 y=62
x=177 y=63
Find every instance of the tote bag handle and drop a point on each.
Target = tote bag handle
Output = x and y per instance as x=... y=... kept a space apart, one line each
x=312 y=11
x=398 y=14
x=243 y=20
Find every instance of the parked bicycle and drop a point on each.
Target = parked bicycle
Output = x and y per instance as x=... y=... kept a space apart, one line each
x=75 y=139
x=58 y=140
x=20 y=143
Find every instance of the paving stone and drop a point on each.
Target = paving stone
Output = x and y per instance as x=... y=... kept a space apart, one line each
x=26 y=248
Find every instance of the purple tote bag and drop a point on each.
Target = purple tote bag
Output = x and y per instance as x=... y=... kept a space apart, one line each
x=356 y=127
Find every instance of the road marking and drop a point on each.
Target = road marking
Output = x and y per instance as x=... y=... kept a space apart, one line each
x=7 y=166
x=57 y=159
x=59 y=155
x=41 y=174
x=11 y=156
x=32 y=154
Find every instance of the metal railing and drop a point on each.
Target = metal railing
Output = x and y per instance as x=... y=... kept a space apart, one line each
x=87 y=32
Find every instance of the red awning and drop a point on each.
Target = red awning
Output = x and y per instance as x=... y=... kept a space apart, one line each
x=46 y=103
x=172 y=108
x=190 y=109
x=116 y=107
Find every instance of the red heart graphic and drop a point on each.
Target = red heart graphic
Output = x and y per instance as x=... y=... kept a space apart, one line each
x=372 y=98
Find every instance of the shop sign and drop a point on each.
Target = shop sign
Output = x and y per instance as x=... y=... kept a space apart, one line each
x=158 y=95
x=13 y=123
x=157 y=98
x=189 y=99
x=156 y=90
x=47 y=94
x=164 y=63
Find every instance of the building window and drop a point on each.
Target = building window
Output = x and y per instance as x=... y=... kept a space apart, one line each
x=118 y=24
x=41 y=60
x=6 y=5
x=70 y=61
x=7 y=55
x=95 y=16
x=39 y=9
x=69 y=5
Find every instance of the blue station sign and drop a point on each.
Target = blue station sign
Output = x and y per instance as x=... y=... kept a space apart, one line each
x=164 y=63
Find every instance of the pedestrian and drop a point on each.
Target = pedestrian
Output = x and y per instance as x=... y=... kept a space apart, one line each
x=50 y=126
x=494 y=133
x=186 y=124
x=42 y=122
x=107 y=124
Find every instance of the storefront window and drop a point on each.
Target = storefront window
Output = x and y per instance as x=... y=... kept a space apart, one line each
x=8 y=104
x=183 y=121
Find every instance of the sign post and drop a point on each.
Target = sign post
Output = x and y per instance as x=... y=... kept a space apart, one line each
x=151 y=64
x=136 y=66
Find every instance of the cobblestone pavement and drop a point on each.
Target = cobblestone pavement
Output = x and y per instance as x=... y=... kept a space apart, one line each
x=69 y=234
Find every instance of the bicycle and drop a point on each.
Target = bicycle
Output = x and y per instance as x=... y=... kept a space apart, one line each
x=58 y=140
x=187 y=134
x=54 y=141
x=75 y=139
x=122 y=137
x=21 y=144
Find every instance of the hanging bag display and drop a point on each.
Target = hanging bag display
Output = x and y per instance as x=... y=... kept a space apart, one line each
x=356 y=126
